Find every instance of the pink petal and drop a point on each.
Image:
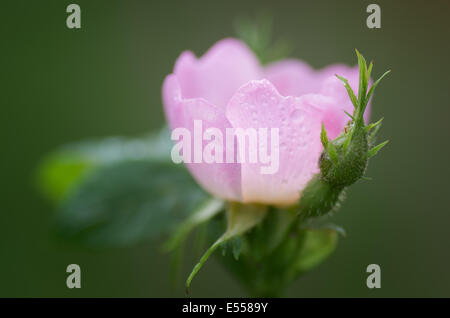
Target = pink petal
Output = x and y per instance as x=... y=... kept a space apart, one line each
x=219 y=73
x=332 y=86
x=292 y=77
x=296 y=78
x=333 y=116
x=221 y=179
x=259 y=105
x=349 y=72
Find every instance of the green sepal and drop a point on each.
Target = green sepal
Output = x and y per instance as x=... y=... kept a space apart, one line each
x=363 y=80
x=372 y=152
x=207 y=210
x=369 y=70
x=268 y=272
x=318 y=245
x=332 y=152
x=349 y=89
x=323 y=137
x=372 y=89
x=373 y=134
x=240 y=219
x=374 y=125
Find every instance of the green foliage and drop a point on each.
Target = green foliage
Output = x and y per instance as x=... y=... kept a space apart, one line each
x=123 y=203
x=317 y=246
x=61 y=171
x=274 y=254
x=118 y=191
x=257 y=34
x=236 y=246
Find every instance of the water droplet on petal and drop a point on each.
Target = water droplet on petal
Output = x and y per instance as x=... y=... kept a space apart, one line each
x=297 y=116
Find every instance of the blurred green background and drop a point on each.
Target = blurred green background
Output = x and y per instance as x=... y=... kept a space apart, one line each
x=61 y=85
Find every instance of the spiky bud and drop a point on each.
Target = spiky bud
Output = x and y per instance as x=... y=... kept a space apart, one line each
x=344 y=160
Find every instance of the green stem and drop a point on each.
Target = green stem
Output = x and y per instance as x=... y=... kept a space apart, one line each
x=202 y=260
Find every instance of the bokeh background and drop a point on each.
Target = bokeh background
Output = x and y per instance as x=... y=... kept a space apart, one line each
x=61 y=85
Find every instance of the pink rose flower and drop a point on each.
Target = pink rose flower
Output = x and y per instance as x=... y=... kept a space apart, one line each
x=228 y=88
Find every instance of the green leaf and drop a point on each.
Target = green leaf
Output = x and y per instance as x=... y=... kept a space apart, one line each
x=317 y=246
x=257 y=34
x=240 y=219
x=61 y=171
x=322 y=223
x=125 y=202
